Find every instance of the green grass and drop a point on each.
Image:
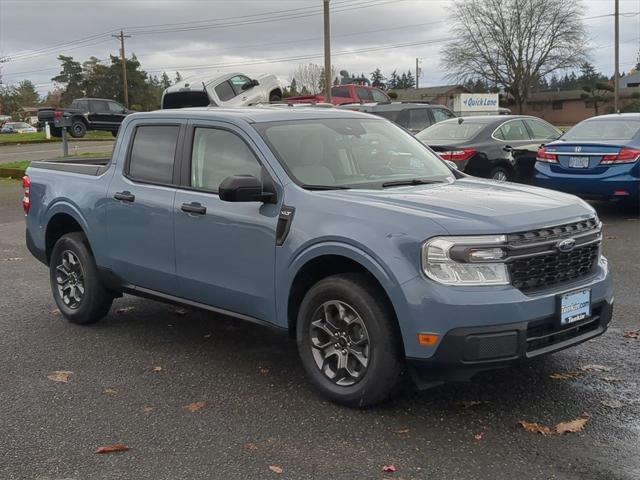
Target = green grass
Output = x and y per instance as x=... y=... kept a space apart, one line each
x=21 y=165
x=24 y=164
x=12 y=138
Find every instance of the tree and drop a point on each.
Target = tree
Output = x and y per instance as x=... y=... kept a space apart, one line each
x=293 y=88
x=411 y=82
x=165 y=81
x=393 y=80
x=511 y=43
x=178 y=78
x=309 y=77
x=597 y=95
x=377 y=79
x=15 y=97
x=70 y=77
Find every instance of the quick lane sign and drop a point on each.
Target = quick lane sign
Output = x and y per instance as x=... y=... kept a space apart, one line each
x=476 y=102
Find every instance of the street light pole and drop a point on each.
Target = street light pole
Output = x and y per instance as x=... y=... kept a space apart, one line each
x=616 y=74
x=327 y=54
x=122 y=36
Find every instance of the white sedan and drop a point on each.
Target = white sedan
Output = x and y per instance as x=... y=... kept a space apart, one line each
x=17 y=127
x=230 y=90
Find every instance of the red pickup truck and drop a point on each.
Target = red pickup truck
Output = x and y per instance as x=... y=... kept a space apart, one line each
x=341 y=94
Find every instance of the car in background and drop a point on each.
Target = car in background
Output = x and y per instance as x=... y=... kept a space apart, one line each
x=86 y=114
x=344 y=94
x=415 y=117
x=484 y=146
x=18 y=127
x=597 y=158
x=228 y=90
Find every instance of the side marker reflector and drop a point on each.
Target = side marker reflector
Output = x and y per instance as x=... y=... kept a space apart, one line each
x=428 y=339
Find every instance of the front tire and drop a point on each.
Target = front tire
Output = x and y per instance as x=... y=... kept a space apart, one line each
x=501 y=174
x=274 y=97
x=348 y=341
x=75 y=284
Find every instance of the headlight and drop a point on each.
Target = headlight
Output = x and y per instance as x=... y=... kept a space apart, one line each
x=466 y=260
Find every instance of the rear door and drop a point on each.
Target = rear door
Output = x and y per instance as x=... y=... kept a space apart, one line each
x=225 y=252
x=99 y=113
x=139 y=207
x=245 y=92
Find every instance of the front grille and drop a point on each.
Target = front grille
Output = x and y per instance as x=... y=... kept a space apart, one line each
x=535 y=262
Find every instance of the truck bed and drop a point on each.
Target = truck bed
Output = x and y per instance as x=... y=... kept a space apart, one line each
x=85 y=165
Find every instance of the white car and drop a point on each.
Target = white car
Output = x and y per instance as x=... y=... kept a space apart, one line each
x=17 y=127
x=230 y=90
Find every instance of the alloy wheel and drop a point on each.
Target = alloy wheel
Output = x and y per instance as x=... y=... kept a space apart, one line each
x=340 y=343
x=500 y=176
x=70 y=279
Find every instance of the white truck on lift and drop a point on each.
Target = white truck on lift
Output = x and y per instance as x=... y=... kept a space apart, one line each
x=229 y=90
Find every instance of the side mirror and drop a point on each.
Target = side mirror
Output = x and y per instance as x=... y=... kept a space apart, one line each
x=252 y=83
x=244 y=188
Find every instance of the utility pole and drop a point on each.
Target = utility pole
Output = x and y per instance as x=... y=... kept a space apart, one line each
x=122 y=36
x=417 y=73
x=327 y=54
x=616 y=73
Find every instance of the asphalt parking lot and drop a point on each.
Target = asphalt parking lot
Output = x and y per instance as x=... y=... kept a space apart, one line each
x=199 y=397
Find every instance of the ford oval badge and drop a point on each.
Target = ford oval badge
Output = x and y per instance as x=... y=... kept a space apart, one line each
x=567 y=245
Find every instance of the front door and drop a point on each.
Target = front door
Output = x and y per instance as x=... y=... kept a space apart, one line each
x=139 y=209
x=225 y=251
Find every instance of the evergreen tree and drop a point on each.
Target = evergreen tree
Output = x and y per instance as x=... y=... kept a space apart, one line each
x=411 y=82
x=165 y=81
x=377 y=79
x=293 y=88
x=178 y=78
x=393 y=80
x=70 y=77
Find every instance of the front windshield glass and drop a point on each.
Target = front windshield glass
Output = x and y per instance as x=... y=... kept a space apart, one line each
x=603 y=129
x=352 y=153
x=446 y=131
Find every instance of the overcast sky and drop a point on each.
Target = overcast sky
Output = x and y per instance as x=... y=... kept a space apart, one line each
x=34 y=32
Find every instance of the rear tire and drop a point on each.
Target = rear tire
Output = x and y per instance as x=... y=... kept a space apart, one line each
x=56 y=132
x=274 y=97
x=357 y=362
x=78 y=129
x=501 y=174
x=75 y=284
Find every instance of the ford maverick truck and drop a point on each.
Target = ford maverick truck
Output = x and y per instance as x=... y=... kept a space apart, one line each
x=335 y=226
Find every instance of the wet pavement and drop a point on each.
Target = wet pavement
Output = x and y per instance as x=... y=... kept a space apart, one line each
x=134 y=373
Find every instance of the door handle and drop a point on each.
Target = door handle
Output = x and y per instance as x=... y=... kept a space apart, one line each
x=195 y=208
x=124 y=196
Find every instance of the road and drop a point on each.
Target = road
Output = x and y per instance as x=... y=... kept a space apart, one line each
x=41 y=151
x=134 y=373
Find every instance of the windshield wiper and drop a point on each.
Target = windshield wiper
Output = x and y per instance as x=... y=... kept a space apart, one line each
x=323 y=187
x=410 y=181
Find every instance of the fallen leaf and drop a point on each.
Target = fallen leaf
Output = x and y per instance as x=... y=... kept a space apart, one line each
x=61 y=376
x=147 y=409
x=157 y=368
x=532 y=427
x=125 y=310
x=389 y=468
x=264 y=370
x=194 y=407
x=612 y=403
x=635 y=334
x=276 y=469
x=404 y=430
x=571 y=426
x=564 y=376
x=110 y=391
x=250 y=446
x=55 y=312
x=118 y=447
x=595 y=368
x=611 y=237
x=13 y=259
x=180 y=311
x=478 y=436
x=469 y=403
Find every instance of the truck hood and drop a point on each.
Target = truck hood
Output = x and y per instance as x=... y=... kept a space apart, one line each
x=474 y=206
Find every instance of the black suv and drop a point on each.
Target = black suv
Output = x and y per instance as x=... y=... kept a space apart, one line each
x=87 y=114
x=412 y=116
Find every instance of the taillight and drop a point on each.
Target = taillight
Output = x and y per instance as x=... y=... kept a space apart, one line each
x=57 y=114
x=544 y=156
x=625 y=155
x=458 y=155
x=26 y=202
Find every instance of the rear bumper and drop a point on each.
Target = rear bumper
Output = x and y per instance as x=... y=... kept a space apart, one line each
x=608 y=184
x=464 y=352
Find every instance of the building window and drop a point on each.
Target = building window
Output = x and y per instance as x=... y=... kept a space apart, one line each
x=557 y=105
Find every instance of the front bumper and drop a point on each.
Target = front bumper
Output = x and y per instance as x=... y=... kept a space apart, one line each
x=464 y=352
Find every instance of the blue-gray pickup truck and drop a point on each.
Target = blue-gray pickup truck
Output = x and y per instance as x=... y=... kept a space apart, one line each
x=337 y=227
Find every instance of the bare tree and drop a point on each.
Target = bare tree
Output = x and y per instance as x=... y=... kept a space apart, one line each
x=513 y=43
x=310 y=77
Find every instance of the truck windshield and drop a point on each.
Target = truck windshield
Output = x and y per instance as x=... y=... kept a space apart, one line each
x=352 y=153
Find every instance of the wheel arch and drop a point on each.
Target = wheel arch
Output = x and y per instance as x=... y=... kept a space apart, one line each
x=275 y=91
x=62 y=220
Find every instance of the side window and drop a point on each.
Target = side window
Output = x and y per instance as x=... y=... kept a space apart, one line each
x=225 y=91
x=513 y=130
x=440 y=114
x=379 y=96
x=115 y=107
x=342 y=92
x=240 y=83
x=418 y=119
x=218 y=154
x=98 y=106
x=153 y=153
x=364 y=94
x=80 y=105
x=542 y=130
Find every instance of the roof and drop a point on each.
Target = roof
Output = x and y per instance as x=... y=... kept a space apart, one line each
x=257 y=114
x=631 y=78
x=426 y=93
x=559 y=95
